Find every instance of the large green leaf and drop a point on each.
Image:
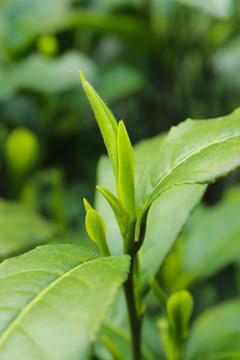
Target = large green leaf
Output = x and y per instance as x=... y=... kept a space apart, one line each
x=165 y=220
x=21 y=229
x=197 y=151
x=53 y=300
x=217 y=8
x=216 y=334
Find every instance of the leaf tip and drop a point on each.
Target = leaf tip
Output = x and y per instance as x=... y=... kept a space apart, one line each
x=87 y=205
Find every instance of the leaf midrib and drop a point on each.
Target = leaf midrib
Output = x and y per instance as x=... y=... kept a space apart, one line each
x=34 y=301
x=180 y=163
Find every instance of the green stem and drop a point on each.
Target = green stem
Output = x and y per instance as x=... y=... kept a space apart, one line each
x=134 y=317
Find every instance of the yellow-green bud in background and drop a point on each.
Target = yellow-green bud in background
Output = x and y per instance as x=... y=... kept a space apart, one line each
x=22 y=154
x=48 y=45
x=96 y=229
x=179 y=309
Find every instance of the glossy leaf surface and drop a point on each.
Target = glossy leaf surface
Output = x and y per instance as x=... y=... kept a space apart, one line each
x=199 y=151
x=53 y=300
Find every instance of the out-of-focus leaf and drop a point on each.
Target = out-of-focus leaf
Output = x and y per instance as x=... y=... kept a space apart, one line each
x=165 y=221
x=226 y=64
x=40 y=73
x=211 y=239
x=22 y=229
x=64 y=287
x=116 y=329
x=119 y=81
x=107 y=5
x=21 y=21
x=217 y=8
x=161 y=11
x=122 y=341
x=179 y=308
x=132 y=29
x=216 y=334
x=199 y=151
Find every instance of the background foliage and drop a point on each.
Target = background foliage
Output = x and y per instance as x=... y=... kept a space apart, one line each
x=155 y=62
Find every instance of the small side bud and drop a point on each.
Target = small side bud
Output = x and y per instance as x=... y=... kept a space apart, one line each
x=96 y=228
x=179 y=309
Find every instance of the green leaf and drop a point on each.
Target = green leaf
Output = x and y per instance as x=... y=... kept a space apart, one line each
x=159 y=293
x=17 y=32
x=62 y=286
x=105 y=177
x=49 y=75
x=96 y=229
x=199 y=151
x=122 y=342
x=216 y=334
x=179 y=308
x=87 y=205
x=226 y=65
x=22 y=229
x=131 y=29
x=119 y=81
x=166 y=217
x=116 y=355
x=206 y=246
x=217 y=8
x=120 y=213
x=126 y=171
x=106 y=122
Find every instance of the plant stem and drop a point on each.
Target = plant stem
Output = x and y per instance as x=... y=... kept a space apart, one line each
x=134 y=318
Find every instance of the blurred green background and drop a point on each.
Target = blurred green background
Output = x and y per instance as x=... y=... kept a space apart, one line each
x=155 y=63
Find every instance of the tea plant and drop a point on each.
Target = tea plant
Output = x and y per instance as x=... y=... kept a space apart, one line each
x=54 y=298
